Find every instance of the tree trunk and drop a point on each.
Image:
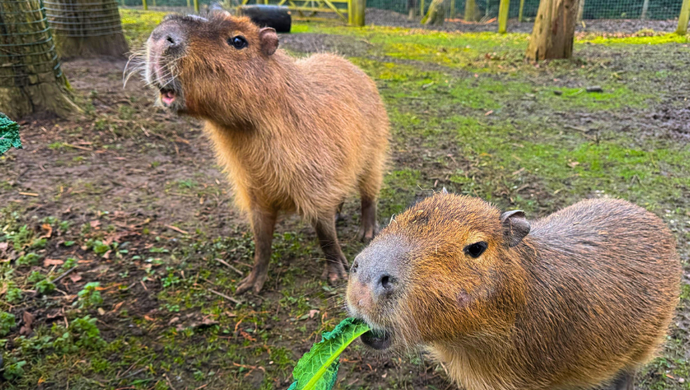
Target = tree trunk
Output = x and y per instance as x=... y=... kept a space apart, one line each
x=437 y=13
x=411 y=9
x=471 y=11
x=554 y=30
x=86 y=27
x=30 y=76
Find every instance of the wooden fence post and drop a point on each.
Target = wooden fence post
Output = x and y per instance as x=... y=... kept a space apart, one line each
x=522 y=8
x=683 y=18
x=503 y=16
x=359 y=8
x=196 y=6
x=146 y=7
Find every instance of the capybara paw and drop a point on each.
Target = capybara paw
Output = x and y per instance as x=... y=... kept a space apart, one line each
x=251 y=282
x=334 y=272
x=367 y=233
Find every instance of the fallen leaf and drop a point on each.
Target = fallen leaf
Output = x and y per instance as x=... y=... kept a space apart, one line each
x=101 y=311
x=95 y=224
x=117 y=307
x=147 y=318
x=573 y=164
x=173 y=320
x=312 y=313
x=3 y=246
x=28 y=321
x=48 y=229
x=50 y=262
x=74 y=277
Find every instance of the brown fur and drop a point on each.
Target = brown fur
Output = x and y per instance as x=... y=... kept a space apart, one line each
x=295 y=136
x=583 y=300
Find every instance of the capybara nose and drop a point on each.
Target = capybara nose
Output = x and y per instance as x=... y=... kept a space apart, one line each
x=169 y=37
x=383 y=285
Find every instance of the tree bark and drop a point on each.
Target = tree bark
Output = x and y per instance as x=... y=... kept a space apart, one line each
x=86 y=28
x=31 y=78
x=437 y=13
x=411 y=9
x=554 y=30
x=471 y=11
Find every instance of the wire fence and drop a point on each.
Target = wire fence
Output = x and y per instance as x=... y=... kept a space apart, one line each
x=80 y=19
x=592 y=9
x=488 y=9
x=27 y=48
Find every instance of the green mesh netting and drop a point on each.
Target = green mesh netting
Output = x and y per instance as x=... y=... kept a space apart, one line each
x=593 y=9
x=9 y=134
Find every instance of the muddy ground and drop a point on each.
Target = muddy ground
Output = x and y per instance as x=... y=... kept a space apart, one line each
x=133 y=198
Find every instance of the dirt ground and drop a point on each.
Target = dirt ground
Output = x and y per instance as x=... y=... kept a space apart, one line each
x=133 y=198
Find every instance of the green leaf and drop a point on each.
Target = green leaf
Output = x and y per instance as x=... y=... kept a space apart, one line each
x=318 y=368
x=9 y=134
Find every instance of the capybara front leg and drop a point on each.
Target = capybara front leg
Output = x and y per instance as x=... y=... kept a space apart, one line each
x=369 y=227
x=339 y=213
x=263 y=224
x=624 y=381
x=336 y=263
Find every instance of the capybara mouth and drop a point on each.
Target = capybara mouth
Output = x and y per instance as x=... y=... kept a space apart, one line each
x=168 y=96
x=377 y=339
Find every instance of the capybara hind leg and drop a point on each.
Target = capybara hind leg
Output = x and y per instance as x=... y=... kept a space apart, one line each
x=339 y=213
x=263 y=224
x=336 y=263
x=624 y=381
x=369 y=228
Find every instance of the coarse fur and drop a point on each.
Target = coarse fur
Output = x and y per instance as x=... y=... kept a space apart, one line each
x=295 y=136
x=581 y=301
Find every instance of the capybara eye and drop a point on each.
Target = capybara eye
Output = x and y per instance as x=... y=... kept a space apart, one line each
x=475 y=250
x=238 y=42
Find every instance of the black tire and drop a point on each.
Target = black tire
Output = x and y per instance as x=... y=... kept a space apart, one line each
x=269 y=16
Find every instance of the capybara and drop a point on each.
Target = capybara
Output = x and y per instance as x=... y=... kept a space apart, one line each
x=577 y=300
x=295 y=136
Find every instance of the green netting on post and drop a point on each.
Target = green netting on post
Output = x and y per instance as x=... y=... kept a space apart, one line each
x=30 y=76
x=9 y=134
x=86 y=27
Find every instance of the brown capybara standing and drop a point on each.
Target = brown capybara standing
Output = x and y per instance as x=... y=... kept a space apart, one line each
x=294 y=135
x=579 y=299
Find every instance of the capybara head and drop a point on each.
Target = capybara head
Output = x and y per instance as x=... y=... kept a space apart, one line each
x=209 y=67
x=439 y=272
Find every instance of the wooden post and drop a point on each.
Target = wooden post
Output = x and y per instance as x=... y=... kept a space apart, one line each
x=421 y=9
x=196 y=6
x=522 y=8
x=580 y=10
x=645 y=7
x=359 y=8
x=146 y=7
x=553 y=34
x=452 y=9
x=153 y=3
x=683 y=18
x=189 y=3
x=470 y=10
x=503 y=16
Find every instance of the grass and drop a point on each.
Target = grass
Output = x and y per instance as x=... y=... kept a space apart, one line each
x=467 y=113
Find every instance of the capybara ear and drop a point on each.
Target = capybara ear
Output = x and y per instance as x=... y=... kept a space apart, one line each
x=269 y=40
x=515 y=226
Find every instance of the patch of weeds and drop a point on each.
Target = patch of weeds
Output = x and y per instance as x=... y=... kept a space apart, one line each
x=89 y=296
x=398 y=190
x=13 y=295
x=28 y=259
x=82 y=333
x=7 y=322
x=13 y=368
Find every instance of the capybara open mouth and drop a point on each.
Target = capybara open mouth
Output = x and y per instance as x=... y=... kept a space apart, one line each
x=168 y=96
x=377 y=339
